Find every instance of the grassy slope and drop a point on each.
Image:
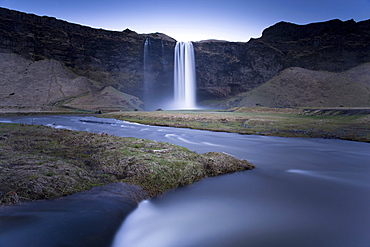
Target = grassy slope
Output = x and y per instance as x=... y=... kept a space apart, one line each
x=298 y=87
x=39 y=86
x=286 y=122
x=39 y=162
x=107 y=99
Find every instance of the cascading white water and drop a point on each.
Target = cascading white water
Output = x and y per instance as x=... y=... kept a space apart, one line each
x=185 y=80
x=147 y=80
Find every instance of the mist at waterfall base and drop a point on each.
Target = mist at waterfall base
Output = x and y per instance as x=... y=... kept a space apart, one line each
x=183 y=94
x=156 y=93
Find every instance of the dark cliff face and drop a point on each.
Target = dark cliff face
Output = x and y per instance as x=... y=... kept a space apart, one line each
x=333 y=46
x=222 y=68
x=226 y=68
x=158 y=73
x=109 y=57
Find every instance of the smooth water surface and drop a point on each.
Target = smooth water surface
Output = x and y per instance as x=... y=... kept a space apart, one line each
x=303 y=192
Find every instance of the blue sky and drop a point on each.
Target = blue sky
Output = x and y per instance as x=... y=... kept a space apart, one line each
x=232 y=20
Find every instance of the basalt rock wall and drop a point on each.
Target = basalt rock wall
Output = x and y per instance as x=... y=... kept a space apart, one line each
x=110 y=57
x=226 y=68
x=223 y=68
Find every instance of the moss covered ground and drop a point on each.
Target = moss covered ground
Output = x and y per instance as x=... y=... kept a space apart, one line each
x=346 y=124
x=38 y=162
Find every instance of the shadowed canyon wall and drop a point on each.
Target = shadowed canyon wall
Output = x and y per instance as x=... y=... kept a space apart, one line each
x=223 y=69
x=112 y=58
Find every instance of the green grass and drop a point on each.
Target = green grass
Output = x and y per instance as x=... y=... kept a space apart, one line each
x=261 y=121
x=39 y=162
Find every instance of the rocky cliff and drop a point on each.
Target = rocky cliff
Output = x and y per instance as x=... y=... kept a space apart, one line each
x=29 y=86
x=226 y=68
x=122 y=61
x=107 y=57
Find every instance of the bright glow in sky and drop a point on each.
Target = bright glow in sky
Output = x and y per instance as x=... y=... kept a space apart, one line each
x=194 y=20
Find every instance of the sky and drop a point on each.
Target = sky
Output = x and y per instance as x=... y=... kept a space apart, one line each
x=194 y=20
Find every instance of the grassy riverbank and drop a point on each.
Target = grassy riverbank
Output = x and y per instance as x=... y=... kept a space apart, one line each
x=347 y=124
x=38 y=162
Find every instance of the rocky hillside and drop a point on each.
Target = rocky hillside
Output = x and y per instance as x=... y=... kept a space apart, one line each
x=226 y=68
x=105 y=100
x=106 y=57
x=28 y=85
x=120 y=60
x=298 y=87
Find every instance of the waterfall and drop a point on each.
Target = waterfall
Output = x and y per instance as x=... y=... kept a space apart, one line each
x=184 y=80
x=156 y=92
x=147 y=79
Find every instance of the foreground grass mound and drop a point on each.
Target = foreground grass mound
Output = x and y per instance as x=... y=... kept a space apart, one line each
x=38 y=162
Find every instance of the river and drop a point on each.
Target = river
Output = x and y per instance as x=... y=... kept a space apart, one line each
x=303 y=192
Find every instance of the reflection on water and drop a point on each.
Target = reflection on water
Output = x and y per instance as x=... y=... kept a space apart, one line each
x=304 y=192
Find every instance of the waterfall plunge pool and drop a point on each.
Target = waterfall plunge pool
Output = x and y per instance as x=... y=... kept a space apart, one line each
x=303 y=192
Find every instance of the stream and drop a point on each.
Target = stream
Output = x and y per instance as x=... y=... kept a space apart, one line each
x=303 y=192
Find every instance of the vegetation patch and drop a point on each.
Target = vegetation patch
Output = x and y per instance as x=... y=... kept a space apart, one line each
x=347 y=124
x=38 y=162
